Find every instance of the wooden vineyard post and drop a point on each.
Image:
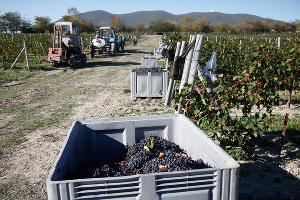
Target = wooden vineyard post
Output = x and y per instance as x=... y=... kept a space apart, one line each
x=240 y=44
x=26 y=55
x=278 y=42
x=171 y=82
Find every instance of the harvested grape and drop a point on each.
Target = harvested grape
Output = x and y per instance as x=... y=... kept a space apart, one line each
x=151 y=155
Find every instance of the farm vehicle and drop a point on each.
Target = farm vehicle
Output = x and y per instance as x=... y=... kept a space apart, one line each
x=67 y=48
x=105 y=40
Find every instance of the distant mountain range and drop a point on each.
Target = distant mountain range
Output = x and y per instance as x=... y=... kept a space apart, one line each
x=100 y=17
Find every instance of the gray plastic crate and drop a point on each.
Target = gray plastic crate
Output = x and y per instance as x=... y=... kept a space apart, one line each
x=149 y=83
x=102 y=140
x=149 y=61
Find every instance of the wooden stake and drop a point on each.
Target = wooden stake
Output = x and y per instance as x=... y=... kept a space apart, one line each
x=283 y=130
x=240 y=44
x=17 y=58
x=43 y=51
x=26 y=55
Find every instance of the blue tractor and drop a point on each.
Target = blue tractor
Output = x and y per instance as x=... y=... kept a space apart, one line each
x=105 y=40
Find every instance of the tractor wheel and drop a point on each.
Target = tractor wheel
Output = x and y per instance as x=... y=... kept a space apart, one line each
x=54 y=64
x=72 y=61
x=108 y=51
x=83 y=59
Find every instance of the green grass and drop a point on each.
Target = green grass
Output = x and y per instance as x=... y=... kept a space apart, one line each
x=292 y=131
x=28 y=119
x=52 y=104
x=14 y=75
x=20 y=71
x=284 y=95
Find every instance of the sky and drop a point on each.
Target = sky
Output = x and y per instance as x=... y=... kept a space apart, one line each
x=284 y=10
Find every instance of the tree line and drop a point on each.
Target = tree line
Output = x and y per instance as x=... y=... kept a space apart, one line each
x=188 y=24
x=13 y=22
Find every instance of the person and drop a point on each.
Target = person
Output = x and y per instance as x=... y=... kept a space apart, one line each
x=92 y=49
x=122 y=43
x=135 y=41
x=117 y=45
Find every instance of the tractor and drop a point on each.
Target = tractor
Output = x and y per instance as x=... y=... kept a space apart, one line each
x=105 y=40
x=67 y=48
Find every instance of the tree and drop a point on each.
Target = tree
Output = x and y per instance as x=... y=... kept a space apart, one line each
x=74 y=13
x=219 y=27
x=186 y=23
x=74 y=16
x=140 y=27
x=67 y=18
x=42 y=24
x=117 y=23
x=129 y=28
x=298 y=26
x=86 y=26
x=247 y=26
x=169 y=26
x=26 y=27
x=201 y=25
x=282 y=26
x=163 y=26
x=12 y=21
x=3 y=25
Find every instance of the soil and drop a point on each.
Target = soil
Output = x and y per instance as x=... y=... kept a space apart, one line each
x=104 y=85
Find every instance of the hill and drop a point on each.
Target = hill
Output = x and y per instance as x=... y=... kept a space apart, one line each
x=100 y=17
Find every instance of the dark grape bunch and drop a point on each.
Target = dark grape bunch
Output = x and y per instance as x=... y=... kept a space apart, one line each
x=162 y=156
x=153 y=69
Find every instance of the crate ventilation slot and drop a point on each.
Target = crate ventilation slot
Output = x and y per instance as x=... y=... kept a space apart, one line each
x=185 y=181
x=107 y=189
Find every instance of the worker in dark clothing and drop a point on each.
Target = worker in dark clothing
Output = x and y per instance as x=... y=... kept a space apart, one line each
x=118 y=45
x=135 y=40
x=92 y=49
x=122 y=43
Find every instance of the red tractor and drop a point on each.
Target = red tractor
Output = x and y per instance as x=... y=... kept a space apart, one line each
x=67 y=48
